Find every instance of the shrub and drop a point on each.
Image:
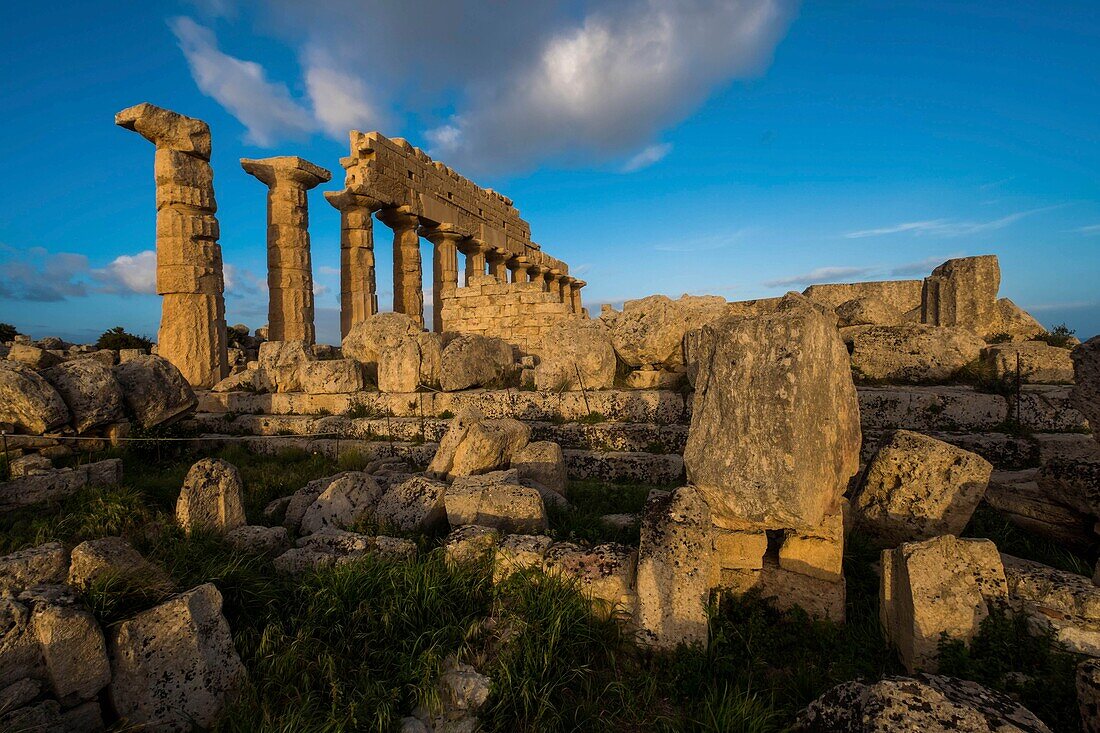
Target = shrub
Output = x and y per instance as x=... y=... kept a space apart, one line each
x=7 y=332
x=1060 y=336
x=118 y=338
x=999 y=338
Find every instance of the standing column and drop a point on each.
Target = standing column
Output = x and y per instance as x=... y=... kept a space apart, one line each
x=537 y=274
x=578 y=308
x=358 y=290
x=189 y=260
x=408 y=287
x=475 y=258
x=497 y=264
x=567 y=291
x=553 y=282
x=289 y=269
x=444 y=269
x=521 y=269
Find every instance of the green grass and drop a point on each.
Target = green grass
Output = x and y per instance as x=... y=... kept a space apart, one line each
x=589 y=500
x=1011 y=540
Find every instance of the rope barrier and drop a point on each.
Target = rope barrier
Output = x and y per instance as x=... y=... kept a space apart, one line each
x=208 y=436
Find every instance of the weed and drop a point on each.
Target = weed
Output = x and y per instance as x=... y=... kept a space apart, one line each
x=446 y=415
x=1060 y=336
x=592 y=418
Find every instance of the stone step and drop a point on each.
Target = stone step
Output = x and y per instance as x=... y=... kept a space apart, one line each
x=613 y=467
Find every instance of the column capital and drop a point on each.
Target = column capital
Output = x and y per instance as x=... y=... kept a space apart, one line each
x=398 y=218
x=347 y=199
x=439 y=235
x=286 y=169
x=579 y=283
x=519 y=262
x=497 y=254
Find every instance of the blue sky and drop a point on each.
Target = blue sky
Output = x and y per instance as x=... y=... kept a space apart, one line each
x=735 y=148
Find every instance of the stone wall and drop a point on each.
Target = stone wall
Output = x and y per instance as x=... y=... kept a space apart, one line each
x=905 y=295
x=519 y=313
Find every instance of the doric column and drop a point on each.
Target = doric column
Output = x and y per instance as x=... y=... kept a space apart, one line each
x=567 y=291
x=537 y=274
x=578 y=308
x=408 y=288
x=189 y=260
x=498 y=267
x=289 y=269
x=358 y=289
x=474 y=250
x=444 y=269
x=553 y=282
x=521 y=269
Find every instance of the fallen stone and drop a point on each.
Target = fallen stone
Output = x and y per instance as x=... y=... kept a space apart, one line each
x=372 y=336
x=787 y=590
x=155 y=391
x=58 y=484
x=470 y=543
x=476 y=361
x=1066 y=603
x=44 y=564
x=867 y=311
x=474 y=444
x=543 y=463
x=495 y=500
x=1086 y=390
x=28 y=401
x=817 y=552
x=332 y=376
x=963 y=292
x=1039 y=363
x=650 y=330
x=1072 y=482
x=73 y=648
x=1088 y=694
x=30 y=465
x=910 y=353
x=575 y=355
x=256 y=538
x=415 y=505
x=342 y=503
x=604 y=573
x=33 y=356
x=90 y=391
x=412 y=363
x=301 y=500
x=519 y=552
x=212 y=497
x=113 y=562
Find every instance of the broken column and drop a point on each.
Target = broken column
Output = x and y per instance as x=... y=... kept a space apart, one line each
x=963 y=292
x=408 y=293
x=358 y=290
x=475 y=258
x=189 y=259
x=444 y=269
x=289 y=270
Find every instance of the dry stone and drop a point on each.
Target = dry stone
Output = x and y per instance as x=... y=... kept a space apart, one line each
x=473 y=445
x=495 y=500
x=675 y=569
x=817 y=552
x=519 y=552
x=257 y=538
x=605 y=573
x=470 y=543
x=1065 y=603
x=911 y=352
x=963 y=292
x=89 y=390
x=377 y=334
x=342 y=503
x=73 y=648
x=331 y=376
x=282 y=363
x=775 y=431
x=1072 y=481
x=33 y=356
x=1088 y=695
x=542 y=463
x=174 y=665
x=575 y=355
x=1086 y=391
x=917 y=487
x=650 y=330
x=44 y=564
x=1013 y=321
x=867 y=311
x=936 y=587
x=476 y=361
x=412 y=363
x=211 y=498
x=925 y=704
x=301 y=500
x=28 y=401
x=154 y=390
x=1039 y=363
x=113 y=562
x=786 y=590
x=415 y=505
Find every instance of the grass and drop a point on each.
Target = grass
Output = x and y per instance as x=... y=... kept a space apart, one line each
x=1012 y=540
x=357 y=647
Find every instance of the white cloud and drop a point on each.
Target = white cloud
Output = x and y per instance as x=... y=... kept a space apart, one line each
x=340 y=101
x=948 y=227
x=129 y=274
x=1092 y=229
x=647 y=157
x=821 y=275
x=265 y=108
x=40 y=276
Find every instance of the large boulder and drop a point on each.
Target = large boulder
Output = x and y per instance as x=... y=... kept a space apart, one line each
x=925 y=704
x=474 y=444
x=1013 y=321
x=42 y=564
x=1038 y=362
x=281 y=364
x=675 y=557
x=775 y=431
x=342 y=503
x=371 y=337
x=650 y=330
x=496 y=500
x=910 y=352
x=70 y=641
x=575 y=355
x=917 y=487
x=412 y=363
x=154 y=390
x=1088 y=694
x=963 y=292
x=90 y=390
x=113 y=562
x=1065 y=603
x=939 y=587
x=1086 y=390
x=331 y=376
x=415 y=505
x=28 y=401
x=174 y=666
x=867 y=311
x=212 y=497
x=476 y=361
x=33 y=356
x=543 y=463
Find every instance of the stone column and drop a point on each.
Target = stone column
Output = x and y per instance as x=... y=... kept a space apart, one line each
x=567 y=291
x=497 y=264
x=289 y=269
x=521 y=269
x=554 y=281
x=444 y=269
x=408 y=287
x=475 y=258
x=537 y=274
x=358 y=289
x=189 y=259
x=578 y=308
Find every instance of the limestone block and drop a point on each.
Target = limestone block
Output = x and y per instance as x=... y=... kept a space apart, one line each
x=495 y=500
x=411 y=364
x=154 y=390
x=256 y=538
x=654 y=379
x=543 y=463
x=1066 y=603
x=476 y=361
x=44 y=564
x=766 y=388
x=927 y=409
x=211 y=498
x=30 y=465
x=940 y=586
x=90 y=391
x=675 y=569
x=519 y=552
x=867 y=311
x=28 y=401
x=817 y=552
x=1086 y=392
x=167 y=129
x=963 y=292
x=58 y=484
x=1073 y=482
x=649 y=331
x=375 y=335
x=929 y=703
x=1039 y=363
x=470 y=543
x=128 y=354
x=739 y=549
x=917 y=487
x=605 y=573
x=342 y=503
x=473 y=445
x=283 y=363
x=301 y=500
x=910 y=352
x=33 y=356
x=113 y=562
x=786 y=590
x=1088 y=694
x=73 y=648
x=415 y=505
x=174 y=665
x=332 y=376
x=575 y=355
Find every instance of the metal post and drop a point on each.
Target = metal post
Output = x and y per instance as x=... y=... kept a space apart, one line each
x=1018 y=425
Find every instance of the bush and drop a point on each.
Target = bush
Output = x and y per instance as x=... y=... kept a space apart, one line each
x=8 y=332
x=118 y=338
x=1060 y=336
